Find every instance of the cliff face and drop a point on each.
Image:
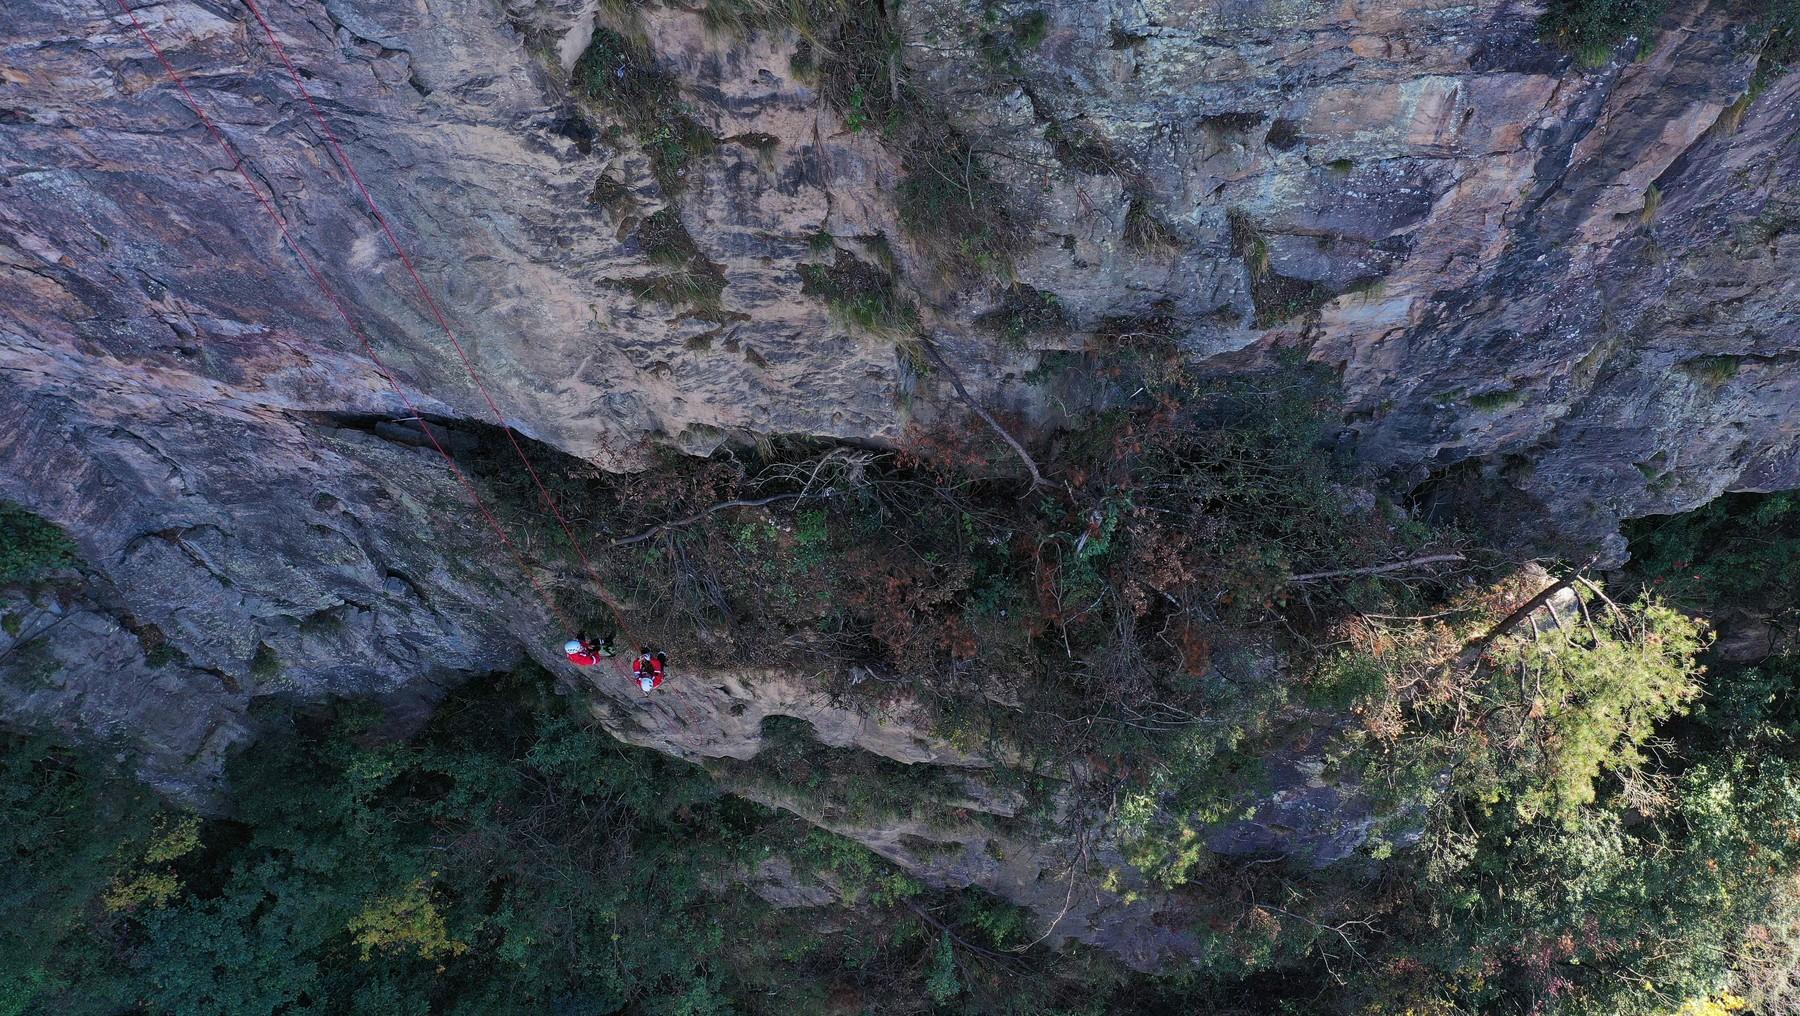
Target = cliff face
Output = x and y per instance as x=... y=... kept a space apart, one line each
x=1577 y=278
x=1579 y=281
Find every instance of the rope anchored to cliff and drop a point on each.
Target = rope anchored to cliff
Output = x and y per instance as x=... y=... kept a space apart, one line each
x=437 y=313
x=343 y=310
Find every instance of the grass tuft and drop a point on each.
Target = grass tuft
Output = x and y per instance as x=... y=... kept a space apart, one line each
x=689 y=279
x=1002 y=46
x=1025 y=312
x=1144 y=231
x=1081 y=151
x=622 y=75
x=1713 y=370
x=1276 y=297
x=948 y=203
x=1493 y=402
x=861 y=295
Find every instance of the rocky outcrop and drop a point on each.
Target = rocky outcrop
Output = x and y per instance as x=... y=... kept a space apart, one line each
x=1575 y=278
x=1577 y=281
x=74 y=660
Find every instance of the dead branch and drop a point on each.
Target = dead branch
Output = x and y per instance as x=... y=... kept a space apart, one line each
x=1519 y=614
x=1380 y=569
x=1037 y=478
x=1076 y=868
x=852 y=464
x=1594 y=588
x=26 y=640
x=659 y=529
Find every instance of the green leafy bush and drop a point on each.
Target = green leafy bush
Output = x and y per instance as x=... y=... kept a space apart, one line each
x=72 y=827
x=1739 y=549
x=30 y=546
x=1590 y=28
x=941 y=985
x=507 y=860
x=1583 y=698
x=1781 y=49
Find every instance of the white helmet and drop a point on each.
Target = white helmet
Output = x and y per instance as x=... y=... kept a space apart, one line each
x=573 y=646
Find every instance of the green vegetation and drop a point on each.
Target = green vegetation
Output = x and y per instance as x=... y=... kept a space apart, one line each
x=1144 y=231
x=265 y=666
x=1276 y=297
x=622 y=76
x=1714 y=370
x=1579 y=699
x=1740 y=550
x=65 y=828
x=1247 y=242
x=1080 y=150
x=1781 y=48
x=30 y=547
x=1569 y=803
x=689 y=277
x=852 y=53
x=1577 y=807
x=845 y=784
x=860 y=294
x=610 y=194
x=1004 y=44
x=1025 y=312
x=505 y=860
x=1591 y=28
x=948 y=202
x=1494 y=401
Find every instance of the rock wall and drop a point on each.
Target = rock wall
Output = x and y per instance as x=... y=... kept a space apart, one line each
x=1579 y=281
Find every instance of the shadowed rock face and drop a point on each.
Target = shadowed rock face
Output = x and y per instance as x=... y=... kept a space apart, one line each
x=1580 y=282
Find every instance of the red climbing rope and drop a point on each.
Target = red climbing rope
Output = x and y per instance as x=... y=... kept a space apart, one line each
x=437 y=313
x=281 y=225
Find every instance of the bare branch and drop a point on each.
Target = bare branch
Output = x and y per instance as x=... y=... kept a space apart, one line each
x=851 y=466
x=658 y=530
x=1037 y=478
x=1380 y=569
x=1520 y=613
x=26 y=640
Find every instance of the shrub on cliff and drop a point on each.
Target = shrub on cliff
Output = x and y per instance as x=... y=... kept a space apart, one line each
x=30 y=546
x=1590 y=28
x=1739 y=550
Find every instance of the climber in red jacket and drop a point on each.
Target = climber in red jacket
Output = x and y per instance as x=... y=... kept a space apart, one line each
x=648 y=668
x=584 y=651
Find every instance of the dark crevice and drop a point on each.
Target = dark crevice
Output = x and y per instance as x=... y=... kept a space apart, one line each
x=402 y=430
